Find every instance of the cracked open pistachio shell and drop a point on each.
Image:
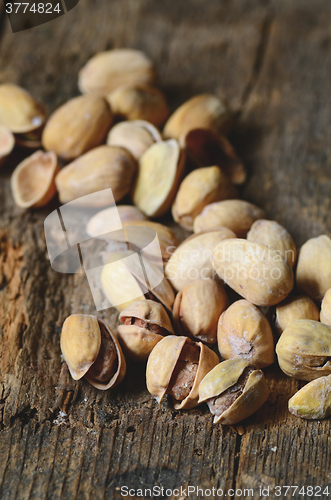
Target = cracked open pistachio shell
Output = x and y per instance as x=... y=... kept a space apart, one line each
x=197 y=308
x=201 y=111
x=325 y=314
x=200 y=188
x=237 y=215
x=272 y=234
x=145 y=323
x=91 y=350
x=108 y=70
x=313 y=400
x=103 y=167
x=304 y=350
x=160 y=170
x=136 y=136
x=176 y=367
x=77 y=126
x=244 y=332
x=256 y=272
x=193 y=258
x=233 y=390
x=314 y=267
x=293 y=308
x=7 y=143
x=33 y=180
x=106 y=220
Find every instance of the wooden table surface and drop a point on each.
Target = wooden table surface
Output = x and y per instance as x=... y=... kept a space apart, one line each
x=62 y=439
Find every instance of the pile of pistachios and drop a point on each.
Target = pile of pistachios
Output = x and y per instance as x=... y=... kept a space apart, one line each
x=230 y=290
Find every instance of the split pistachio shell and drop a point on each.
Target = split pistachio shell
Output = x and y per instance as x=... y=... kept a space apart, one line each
x=274 y=235
x=177 y=365
x=237 y=215
x=145 y=323
x=200 y=188
x=193 y=258
x=7 y=143
x=105 y=221
x=313 y=400
x=293 y=308
x=111 y=69
x=304 y=350
x=136 y=136
x=91 y=350
x=257 y=272
x=160 y=170
x=197 y=308
x=233 y=390
x=103 y=167
x=314 y=267
x=202 y=111
x=244 y=332
x=32 y=182
x=325 y=315
x=77 y=126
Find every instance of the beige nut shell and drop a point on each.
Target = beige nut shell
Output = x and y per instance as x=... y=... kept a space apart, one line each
x=313 y=400
x=325 y=314
x=134 y=135
x=294 y=308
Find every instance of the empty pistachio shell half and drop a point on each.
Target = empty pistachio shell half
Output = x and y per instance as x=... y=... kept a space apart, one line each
x=244 y=332
x=233 y=390
x=7 y=143
x=32 y=182
x=136 y=136
x=91 y=350
x=304 y=350
x=293 y=308
x=176 y=366
x=325 y=315
x=145 y=323
x=313 y=400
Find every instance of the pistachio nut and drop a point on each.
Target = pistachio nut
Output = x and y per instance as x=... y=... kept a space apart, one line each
x=325 y=314
x=77 y=126
x=7 y=143
x=136 y=136
x=193 y=258
x=256 y=272
x=160 y=170
x=244 y=332
x=176 y=367
x=314 y=267
x=197 y=308
x=272 y=234
x=139 y=102
x=237 y=215
x=200 y=188
x=103 y=167
x=313 y=400
x=233 y=390
x=201 y=111
x=106 y=220
x=304 y=350
x=91 y=350
x=108 y=70
x=293 y=308
x=145 y=323
x=33 y=180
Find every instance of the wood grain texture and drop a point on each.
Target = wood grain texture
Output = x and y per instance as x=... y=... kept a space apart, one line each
x=62 y=439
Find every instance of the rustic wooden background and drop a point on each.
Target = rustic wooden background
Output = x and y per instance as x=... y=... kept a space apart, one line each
x=61 y=439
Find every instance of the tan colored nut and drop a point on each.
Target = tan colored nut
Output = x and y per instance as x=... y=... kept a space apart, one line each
x=244 y=332
x=139 y=102
x=77 y=126
x=272 y=234
x=202 y=111
x=257 y=272
x=106 y=220
x=160 y=170
x=313 y=400
x=103 y=167
x=197 y=308
x=293 y=308
x=91 y=350
x=233 y=390
x=314 y=267
x=136 y=136
x=176 y=366
x=32 y=182
x=7 y=143
x=145 y=323
x=206 y=147
x=325 y=315
x=304 y=350
x=106 y=71
x=198 y=189
x=237 y=215
x=193 y=258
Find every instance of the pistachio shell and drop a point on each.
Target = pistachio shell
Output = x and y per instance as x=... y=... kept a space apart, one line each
x=136 y=136
x=313 y=400
x=7 y=143
x=325 y=315
x=293 y=308
x=105 y=221
x=221 y=377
